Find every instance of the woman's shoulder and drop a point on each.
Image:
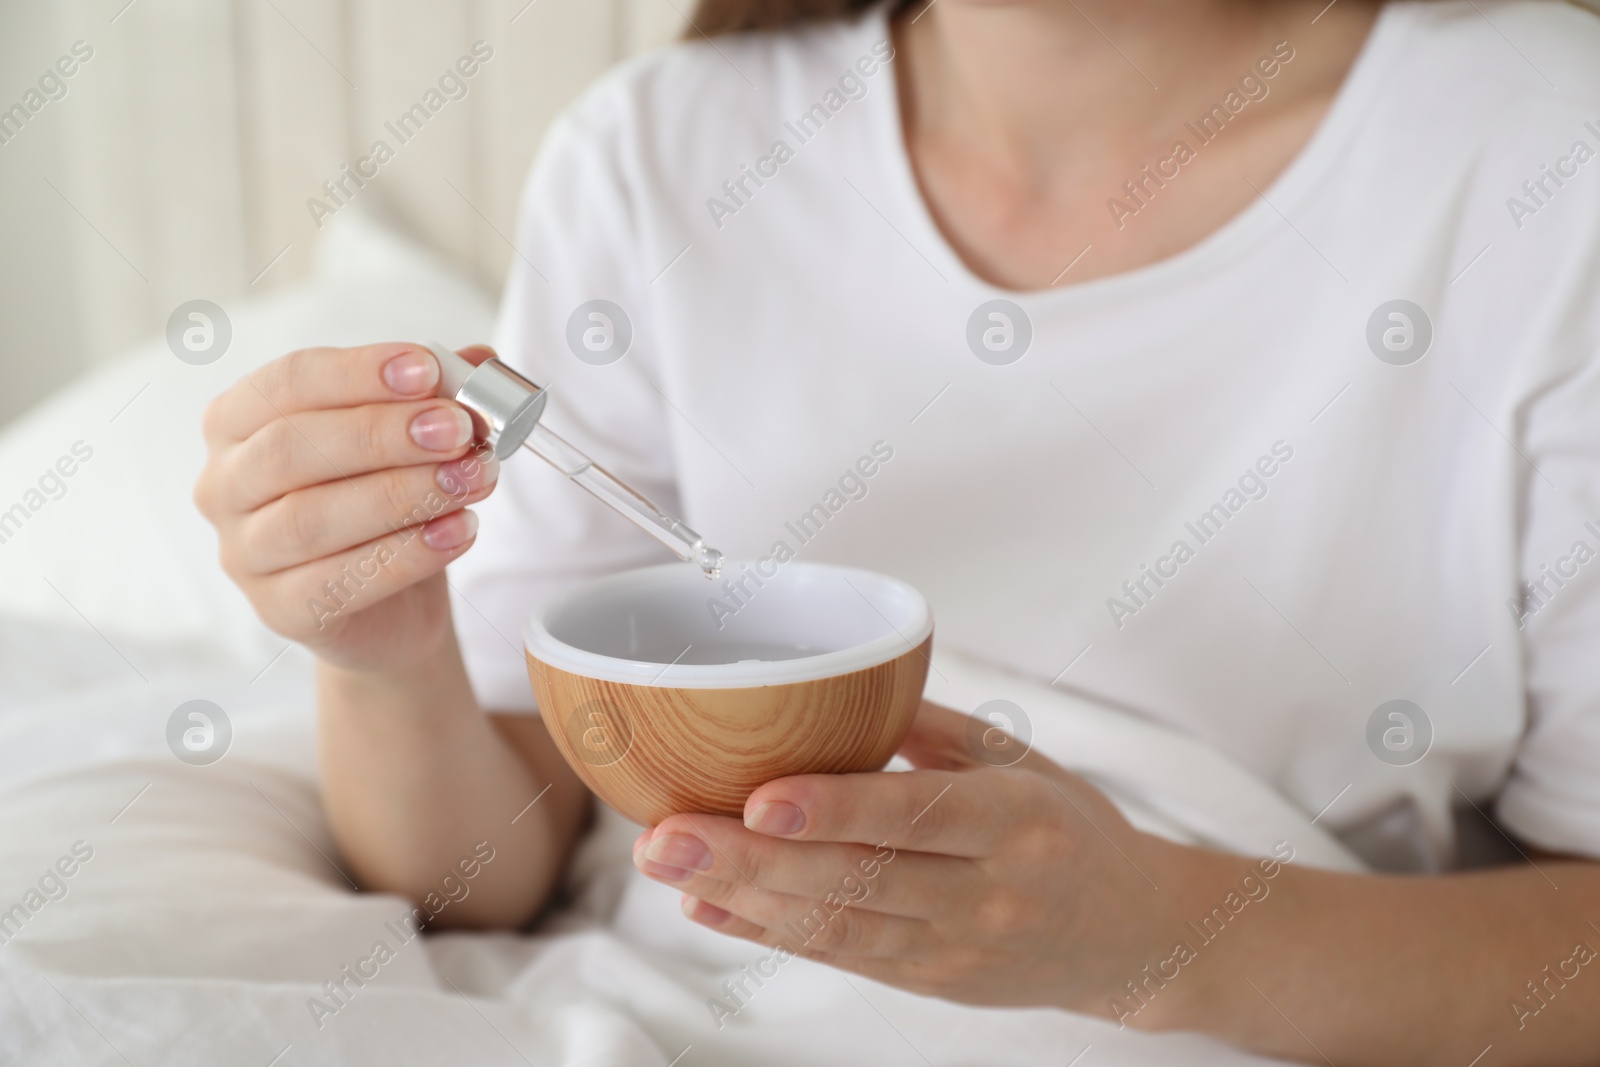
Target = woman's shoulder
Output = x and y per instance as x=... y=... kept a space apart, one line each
x=698 y=95
x=1541 y=46
x=1481 y=95
x=1485 y=133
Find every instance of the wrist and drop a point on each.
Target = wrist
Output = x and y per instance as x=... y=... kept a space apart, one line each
x=1203 y=940
x=433 y=686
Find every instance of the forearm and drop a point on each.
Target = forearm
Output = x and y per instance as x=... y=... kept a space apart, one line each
x=415 y=776
x=1419 y=970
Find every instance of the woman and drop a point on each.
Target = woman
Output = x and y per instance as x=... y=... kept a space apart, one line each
x=1237 y=362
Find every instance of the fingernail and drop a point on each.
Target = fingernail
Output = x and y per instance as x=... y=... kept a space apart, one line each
x=777 y=817
x=411 y=374
x=450 y=531
x=679 y=850
x=665 y=873
x=467 y=474
x=442 y=429
x=701 y=912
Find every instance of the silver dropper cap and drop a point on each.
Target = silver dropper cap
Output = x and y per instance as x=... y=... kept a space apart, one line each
x=508 y=403
x=510 y=407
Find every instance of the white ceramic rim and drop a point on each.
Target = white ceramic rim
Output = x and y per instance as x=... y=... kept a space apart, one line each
x=545 y=648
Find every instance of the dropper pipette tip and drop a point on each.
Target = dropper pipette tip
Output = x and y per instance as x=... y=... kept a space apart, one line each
x=710 y=561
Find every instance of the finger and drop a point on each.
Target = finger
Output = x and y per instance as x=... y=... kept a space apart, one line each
x=815 y=926
x=708 y=848
x=954 y=813
x=317 y=378
x=719 y=919
x=310 y=602
x=924 y=976
x=738 y=991
x=325 y=519
x=314 y=447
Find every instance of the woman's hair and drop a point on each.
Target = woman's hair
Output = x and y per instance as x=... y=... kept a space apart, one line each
x=713 y=17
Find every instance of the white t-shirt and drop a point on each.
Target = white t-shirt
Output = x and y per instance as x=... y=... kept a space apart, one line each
x=1355 y=523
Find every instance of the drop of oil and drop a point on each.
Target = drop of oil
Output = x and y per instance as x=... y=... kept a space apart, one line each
x=710 y=562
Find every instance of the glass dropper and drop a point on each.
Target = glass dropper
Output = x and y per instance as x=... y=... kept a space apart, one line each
x=511 y=406
x=664 y=527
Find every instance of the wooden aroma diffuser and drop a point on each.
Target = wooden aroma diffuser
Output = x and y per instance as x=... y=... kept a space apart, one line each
x=663 y=700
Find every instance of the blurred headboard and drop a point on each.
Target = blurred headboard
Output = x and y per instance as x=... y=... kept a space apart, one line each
x=181 y=160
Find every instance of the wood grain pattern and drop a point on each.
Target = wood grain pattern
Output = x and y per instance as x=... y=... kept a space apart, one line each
x=653 y=751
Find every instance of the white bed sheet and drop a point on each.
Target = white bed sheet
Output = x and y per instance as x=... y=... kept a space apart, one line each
x=213 y=909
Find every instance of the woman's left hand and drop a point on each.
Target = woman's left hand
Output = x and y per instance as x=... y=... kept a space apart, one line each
x=1020 y=886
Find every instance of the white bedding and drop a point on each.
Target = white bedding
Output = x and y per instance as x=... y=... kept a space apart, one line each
x=212 y=911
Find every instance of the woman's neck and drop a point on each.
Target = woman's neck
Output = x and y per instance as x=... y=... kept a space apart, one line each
x=1023 y=117
x=1026 y=78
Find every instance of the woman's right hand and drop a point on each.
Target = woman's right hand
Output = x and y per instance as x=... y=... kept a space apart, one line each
x=338 y=483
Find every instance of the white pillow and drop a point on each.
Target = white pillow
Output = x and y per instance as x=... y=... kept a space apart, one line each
x=119 y=539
